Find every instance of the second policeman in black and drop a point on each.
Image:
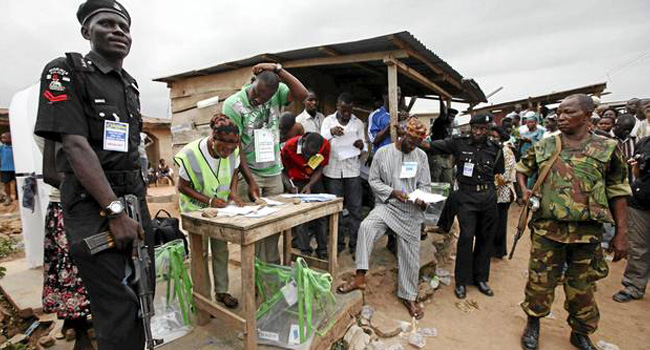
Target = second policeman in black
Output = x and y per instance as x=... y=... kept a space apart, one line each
x=477 y=159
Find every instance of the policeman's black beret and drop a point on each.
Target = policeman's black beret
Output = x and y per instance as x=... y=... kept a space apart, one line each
x=480 y=119
x=93 y=7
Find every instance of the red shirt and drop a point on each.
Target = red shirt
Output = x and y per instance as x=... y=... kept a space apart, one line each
x=296 y=164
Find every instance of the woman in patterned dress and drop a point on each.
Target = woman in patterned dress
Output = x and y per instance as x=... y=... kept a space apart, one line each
x=506 y=193
x=63 y=291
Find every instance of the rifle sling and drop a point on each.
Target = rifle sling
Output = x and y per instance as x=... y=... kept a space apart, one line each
x=540 y=179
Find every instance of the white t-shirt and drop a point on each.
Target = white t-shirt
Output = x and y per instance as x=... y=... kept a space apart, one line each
x=212 y=162
x=641 y=129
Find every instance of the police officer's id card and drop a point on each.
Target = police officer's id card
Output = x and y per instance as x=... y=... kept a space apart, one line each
x=409 y=169
x=264 y=146
x=116 y=136
x=468 y=169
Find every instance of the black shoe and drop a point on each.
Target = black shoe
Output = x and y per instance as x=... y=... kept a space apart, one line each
x=530 y=338
x=485 y=289
x=582 y=341
x=461 y=292
x=322 y=255
x=623 y=297
x=306 y=252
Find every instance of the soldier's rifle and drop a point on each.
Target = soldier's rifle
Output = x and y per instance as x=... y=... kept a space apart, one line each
x=533 y=202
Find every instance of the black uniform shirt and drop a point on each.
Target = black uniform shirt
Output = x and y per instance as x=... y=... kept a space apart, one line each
x=78 y=100
x=481 y=160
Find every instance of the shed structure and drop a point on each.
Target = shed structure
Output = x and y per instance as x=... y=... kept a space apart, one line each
x=502 y=109
x=363 y=68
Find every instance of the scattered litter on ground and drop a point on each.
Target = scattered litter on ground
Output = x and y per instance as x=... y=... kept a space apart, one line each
x=417 y=340
x=367 y=311
x=445 y=280
x=376 y=345
x=467 y=305
x=603 y=345
x=435 y=282
x=405 y=326
x=440 y=272
x=428 y=332
x=356 y=338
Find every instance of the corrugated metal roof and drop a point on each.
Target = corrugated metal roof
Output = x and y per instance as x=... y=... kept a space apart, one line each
x=549 y=98
x=465 y=89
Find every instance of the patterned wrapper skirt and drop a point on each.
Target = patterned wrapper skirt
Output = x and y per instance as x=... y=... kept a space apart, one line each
x=63 y=291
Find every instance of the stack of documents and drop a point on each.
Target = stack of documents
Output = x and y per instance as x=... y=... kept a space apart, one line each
x=426 y=197
x=312 y=197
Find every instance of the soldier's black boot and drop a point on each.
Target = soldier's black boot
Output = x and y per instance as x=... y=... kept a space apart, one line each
x=582 y=341
x=530 y=338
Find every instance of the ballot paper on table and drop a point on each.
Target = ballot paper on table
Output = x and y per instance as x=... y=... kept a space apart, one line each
x=233 y=210
x=312 y=197
x=343 y=146
x=426 y=197
x=262 y=212
x=272 y=203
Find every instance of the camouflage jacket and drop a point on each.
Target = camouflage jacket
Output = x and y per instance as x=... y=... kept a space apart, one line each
x=578 y=187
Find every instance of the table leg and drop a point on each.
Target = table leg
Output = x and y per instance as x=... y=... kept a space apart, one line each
x=200 y=276
x=333 y=244
x=287 y=247
x=248 y=291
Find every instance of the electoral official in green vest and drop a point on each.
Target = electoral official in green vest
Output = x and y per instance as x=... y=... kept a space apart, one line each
x=208 y=178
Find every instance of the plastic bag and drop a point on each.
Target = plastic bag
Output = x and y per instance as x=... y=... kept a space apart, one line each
x=298 y=303
x=170 y=268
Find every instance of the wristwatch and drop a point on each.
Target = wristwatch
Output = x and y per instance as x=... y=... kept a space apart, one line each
x=114 y=209
x=277 y=69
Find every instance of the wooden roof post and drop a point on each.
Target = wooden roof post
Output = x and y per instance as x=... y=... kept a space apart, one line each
x=392 y=97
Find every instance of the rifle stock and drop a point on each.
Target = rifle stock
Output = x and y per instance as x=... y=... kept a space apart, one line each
x=521 y=227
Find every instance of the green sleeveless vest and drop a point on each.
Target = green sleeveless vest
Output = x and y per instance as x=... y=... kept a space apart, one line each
x=210 y=182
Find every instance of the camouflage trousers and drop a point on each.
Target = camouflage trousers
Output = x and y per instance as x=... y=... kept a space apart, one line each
x=548 y=260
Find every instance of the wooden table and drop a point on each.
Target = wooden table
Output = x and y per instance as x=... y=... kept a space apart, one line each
x=246 y=232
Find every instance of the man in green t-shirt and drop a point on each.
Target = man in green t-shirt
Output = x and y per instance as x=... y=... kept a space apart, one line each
x=255 y=109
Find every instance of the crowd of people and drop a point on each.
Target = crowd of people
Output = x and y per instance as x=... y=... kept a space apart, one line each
x=585 y=165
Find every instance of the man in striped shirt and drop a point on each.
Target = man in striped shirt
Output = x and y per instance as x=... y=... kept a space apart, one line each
x=397 y=170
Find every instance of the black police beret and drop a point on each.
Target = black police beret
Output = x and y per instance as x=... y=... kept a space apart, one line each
x=480 y=119
x=93 y=7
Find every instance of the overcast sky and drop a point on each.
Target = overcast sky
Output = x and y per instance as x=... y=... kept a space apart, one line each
x=528 y=47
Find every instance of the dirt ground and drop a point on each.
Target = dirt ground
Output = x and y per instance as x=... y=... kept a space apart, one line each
x=499 y=321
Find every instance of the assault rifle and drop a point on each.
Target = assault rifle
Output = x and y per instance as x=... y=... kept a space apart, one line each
x=139 y=285
x=533 y=203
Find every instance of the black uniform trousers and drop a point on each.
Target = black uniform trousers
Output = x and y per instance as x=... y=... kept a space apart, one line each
x=114 y=310
x=318 y=227
x=501 y=237
x=477 y=216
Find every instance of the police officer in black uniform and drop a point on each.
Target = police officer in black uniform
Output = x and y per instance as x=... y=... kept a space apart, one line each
x=91 y=105
x=477 y=159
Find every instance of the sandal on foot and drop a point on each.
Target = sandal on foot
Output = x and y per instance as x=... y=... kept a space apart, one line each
x=347 y=287
x=414 y=309
x=228 y=300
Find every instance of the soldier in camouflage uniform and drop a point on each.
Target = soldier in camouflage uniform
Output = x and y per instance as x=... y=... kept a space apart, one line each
x=586 y=187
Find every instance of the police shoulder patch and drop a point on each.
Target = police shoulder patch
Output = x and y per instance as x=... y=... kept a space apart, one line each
x=57 y=79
